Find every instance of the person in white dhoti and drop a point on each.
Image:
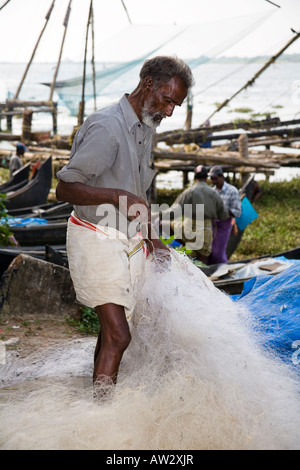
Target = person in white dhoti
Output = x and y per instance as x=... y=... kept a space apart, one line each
x=106 y=180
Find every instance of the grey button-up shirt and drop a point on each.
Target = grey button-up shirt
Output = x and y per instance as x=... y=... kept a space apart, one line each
x=112 y=149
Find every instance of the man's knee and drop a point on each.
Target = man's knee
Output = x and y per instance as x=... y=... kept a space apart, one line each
x=115 y=332
x=122 y=340
x=118 y=339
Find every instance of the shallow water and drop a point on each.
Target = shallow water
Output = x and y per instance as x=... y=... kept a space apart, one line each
x=192 y=378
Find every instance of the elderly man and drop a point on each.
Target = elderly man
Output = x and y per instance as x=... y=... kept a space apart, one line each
x=106 y=180
x=222 y=228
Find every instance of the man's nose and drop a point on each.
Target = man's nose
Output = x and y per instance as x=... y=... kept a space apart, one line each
x=169 y=109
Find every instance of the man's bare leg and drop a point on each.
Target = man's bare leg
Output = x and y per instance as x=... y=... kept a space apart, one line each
x=113 y=340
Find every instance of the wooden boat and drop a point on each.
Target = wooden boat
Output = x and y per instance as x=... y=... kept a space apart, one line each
x=235 y=286
x=35 y=192
x=18 y=180
x=48 y=211
x=52 y=233
x=56 y=255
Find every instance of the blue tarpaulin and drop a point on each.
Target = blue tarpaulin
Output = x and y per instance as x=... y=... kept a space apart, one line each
x=274 y=303
x=25 y=222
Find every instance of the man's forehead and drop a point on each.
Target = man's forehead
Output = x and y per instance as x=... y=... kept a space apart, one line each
x=175 y=89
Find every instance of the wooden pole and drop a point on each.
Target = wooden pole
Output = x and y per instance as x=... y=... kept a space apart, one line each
x=54 y=106
x=228 y=158
x=244 y=154
x=26 y=126
x=65 y=24
x=270 y=123
x=47 y=17
x=250 y=82
x=82 y=103
x=189 y=111
x=93 y=58
x=201 y=136
x=124 y=6
x=4 y=4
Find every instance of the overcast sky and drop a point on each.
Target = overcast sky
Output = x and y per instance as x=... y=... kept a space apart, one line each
x=21 y=22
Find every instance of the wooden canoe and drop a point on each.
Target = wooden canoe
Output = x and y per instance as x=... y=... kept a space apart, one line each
x=35 y=192
x=52 y=233
x=18 y=180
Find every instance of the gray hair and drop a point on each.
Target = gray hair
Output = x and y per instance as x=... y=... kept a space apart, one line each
x=163 y=68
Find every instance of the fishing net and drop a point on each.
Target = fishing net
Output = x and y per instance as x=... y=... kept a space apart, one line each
x=194 y=377
x=196 y=44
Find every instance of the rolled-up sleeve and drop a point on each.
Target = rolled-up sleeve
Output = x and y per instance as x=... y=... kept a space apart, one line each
x=93 y=152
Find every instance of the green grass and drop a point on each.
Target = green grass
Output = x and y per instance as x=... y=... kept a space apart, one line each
x=88 y=323
x=4 y=175
x=277 y=227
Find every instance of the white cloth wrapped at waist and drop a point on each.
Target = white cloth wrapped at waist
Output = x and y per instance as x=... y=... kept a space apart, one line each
x=105 y=265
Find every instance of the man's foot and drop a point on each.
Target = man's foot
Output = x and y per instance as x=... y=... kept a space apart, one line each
x=103 y=388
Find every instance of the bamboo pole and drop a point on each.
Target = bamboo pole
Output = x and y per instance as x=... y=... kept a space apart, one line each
x=229 y=158
x=47 y=17
x=250 y=82
x=65 y=24
x=82 y=103
x=4 y=4
x=242 y=124
x=93 y=57
x=201 y=136
x=124 y=6
x=189 y=111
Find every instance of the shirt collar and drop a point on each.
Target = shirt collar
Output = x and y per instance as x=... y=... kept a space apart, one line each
x=223 y=189
x=131 y=118
x=225 y=186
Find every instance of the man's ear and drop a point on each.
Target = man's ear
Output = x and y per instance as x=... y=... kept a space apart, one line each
x=148 y=82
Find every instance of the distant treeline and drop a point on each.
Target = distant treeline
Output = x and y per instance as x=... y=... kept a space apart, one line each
x=231 y=60
x=220 y=60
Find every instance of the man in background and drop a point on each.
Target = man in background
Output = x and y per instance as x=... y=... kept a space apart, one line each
x=15 y=162
x=222 y=228
x=196 y=231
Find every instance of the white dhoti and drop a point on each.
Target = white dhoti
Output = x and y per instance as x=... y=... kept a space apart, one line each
x=105 y=266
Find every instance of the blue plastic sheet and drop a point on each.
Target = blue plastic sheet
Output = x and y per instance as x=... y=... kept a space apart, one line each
x=274 y=303
x=25 y=222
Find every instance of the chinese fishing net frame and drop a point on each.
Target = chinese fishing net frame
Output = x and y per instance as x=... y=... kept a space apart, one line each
x=192 y=378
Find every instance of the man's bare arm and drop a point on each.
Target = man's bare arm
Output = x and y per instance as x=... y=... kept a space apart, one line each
x=83 y=195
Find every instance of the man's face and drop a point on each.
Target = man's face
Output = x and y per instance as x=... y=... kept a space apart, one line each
x=161 y=101
x=217 y=181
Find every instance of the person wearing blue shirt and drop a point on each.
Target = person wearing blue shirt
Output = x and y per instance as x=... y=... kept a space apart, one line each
x=222 y=228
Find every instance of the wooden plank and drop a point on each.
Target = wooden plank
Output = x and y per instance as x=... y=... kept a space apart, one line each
x=229 y=158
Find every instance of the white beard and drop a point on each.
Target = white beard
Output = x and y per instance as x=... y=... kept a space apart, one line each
x=151 y=120
x=148 y=120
